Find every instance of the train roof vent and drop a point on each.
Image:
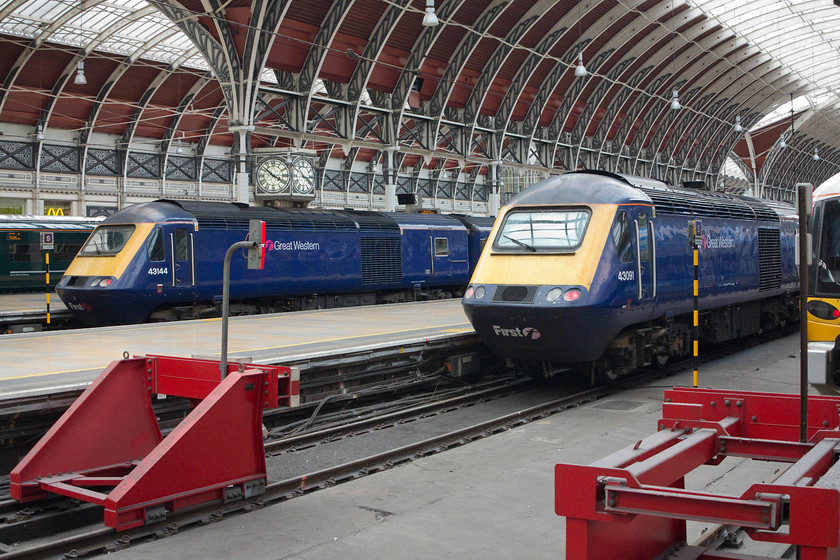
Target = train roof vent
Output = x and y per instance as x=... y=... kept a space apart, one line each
x=710 y=205
x=373 y=221
x=275 y=218
x=762 y=210
x=667 y=203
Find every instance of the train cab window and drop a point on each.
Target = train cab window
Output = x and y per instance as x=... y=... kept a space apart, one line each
x=441 y=247
x=154 y=245
x=181 y=249
x=542 y=230
x=621 y=237
x=107 y=241
x=828 y=263
x=644 y=236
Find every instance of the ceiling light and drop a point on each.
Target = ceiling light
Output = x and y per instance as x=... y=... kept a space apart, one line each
x=80 y=79
x=580 y=71
x=816 y=155
x=782 y=143
x=430 y=19
x=179 y=149
x=738 y=127
x=675 y=102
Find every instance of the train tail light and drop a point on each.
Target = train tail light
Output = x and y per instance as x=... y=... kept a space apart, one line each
x=823 y=310
x=571 y=295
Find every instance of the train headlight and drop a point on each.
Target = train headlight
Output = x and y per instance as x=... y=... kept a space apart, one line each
x=479 y=292
x=101 y=282
x=823 y=310
x=554 y=294
x=571 y=295
x=469 y=293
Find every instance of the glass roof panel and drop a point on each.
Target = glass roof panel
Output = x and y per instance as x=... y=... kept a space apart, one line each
x=803 y=35
x=123 y=27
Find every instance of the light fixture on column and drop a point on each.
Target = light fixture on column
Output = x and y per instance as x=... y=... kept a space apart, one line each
x=80 y=79
x=580 y=71
x=738 y=127
x=179 y=149
x=430 y=19
x=816 y=155
x=675 y=102
x=39 y=132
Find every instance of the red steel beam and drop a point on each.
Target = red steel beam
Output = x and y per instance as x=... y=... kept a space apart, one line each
x=632 y=505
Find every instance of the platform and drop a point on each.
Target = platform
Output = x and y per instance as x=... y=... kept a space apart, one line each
x=48 y=361
x=491 y=499
x=25 y=312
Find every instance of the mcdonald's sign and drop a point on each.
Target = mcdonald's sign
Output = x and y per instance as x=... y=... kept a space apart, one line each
x=55 y=211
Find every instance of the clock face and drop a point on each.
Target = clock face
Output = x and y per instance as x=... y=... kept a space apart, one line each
x=273 y=176
x=303 y=173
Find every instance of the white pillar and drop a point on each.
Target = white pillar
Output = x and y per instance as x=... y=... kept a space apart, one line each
x=493 y=203
x=390 y=179
x=242 y=179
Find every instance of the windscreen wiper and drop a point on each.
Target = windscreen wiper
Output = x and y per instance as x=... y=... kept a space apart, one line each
x=521 y=243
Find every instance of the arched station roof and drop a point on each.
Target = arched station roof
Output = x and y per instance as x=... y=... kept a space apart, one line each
x=494 y=82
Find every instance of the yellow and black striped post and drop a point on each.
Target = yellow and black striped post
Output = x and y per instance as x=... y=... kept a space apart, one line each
x=47 y=261
x=695 y=333
x=695 y=239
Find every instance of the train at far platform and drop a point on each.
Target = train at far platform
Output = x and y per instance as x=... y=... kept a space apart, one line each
x=594 y=271
x=163 y=260
x=28 y=242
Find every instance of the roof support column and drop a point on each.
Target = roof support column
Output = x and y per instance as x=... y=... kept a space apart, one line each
x=493 y=197
x=390 y=178
x=243 y=180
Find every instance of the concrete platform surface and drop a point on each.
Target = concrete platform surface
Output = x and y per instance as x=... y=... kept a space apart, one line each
x=46 y=361
x=491 y=499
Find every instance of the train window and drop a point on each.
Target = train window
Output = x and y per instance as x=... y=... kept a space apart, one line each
x=66 y=252
x=644 y=236
x=154 y=245
x=181 y=249
x=542 y=230
x=441 y=247
x=621 y=237
x=24 y=252
x=107 y=240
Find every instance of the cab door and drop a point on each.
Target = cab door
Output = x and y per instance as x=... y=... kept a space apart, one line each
x=645 y=247
x=182 y=255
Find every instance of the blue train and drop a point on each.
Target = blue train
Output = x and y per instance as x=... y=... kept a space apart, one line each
x=162 y=260
x=595 y=270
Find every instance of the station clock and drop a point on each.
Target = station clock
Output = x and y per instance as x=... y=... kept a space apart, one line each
x=303 y=176
x=273 y=176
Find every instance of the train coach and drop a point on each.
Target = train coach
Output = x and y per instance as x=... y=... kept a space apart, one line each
x=25 y=242
x=595 y=270
x=162 y=260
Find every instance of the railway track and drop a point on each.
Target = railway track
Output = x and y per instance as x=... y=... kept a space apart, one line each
x=393 y=437
x=332 y=445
